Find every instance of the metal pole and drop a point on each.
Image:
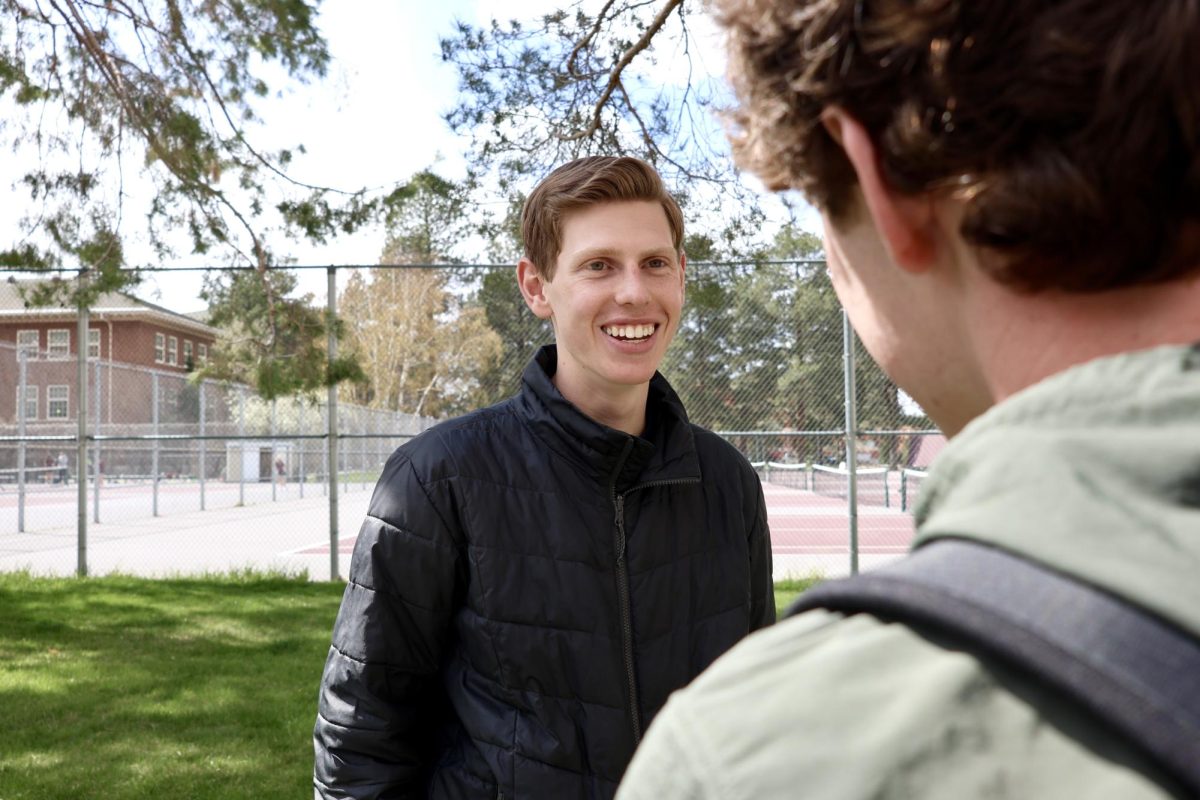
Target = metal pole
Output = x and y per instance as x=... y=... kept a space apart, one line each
x=331 y=300
x=274 y=452
x=22 y=400
x=203 y=448
x=81 y=393
x=242 y=446
x=154 y=457
x=96 y=454
x=851 y=440
x=301 y=444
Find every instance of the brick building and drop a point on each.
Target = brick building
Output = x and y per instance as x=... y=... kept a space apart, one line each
x=122 y=331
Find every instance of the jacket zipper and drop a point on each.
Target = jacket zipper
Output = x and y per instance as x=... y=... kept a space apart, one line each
x=635 y=715
x=623 y=596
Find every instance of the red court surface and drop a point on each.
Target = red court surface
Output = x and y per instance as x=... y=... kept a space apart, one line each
x=277 y=529
x=802 y=522
x=809 y=533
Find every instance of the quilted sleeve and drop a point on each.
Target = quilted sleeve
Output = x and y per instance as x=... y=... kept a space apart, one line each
x=380 y=693
x=762 y=586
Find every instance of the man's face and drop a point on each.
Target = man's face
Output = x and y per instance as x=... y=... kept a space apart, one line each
x=615 y=299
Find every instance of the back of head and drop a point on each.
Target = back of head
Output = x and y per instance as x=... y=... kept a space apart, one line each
x=1070 y=129
x=582 y=183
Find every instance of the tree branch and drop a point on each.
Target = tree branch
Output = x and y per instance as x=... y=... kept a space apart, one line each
x=586 y=41
x=614 y=77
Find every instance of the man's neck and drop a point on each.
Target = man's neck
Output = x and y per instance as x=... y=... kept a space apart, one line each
x=624 y=409
x=1022 y=339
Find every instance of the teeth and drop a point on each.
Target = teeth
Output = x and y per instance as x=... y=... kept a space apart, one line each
x=629 y=331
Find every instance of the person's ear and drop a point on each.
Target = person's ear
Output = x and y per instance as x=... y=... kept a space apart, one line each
x=533 y=288
x=682 y=271
x=906 y=224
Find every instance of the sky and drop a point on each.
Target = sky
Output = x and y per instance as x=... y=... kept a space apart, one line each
x=375 y=120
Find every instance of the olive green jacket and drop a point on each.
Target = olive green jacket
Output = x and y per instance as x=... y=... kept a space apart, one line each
x=1094 y=471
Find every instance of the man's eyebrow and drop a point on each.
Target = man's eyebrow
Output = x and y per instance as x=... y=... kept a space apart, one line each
x=608 y=252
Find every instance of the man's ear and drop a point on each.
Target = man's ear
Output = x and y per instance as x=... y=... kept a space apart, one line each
x=533 y=288
x=906 y=224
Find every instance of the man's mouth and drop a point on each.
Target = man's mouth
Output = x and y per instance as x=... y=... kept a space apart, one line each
x=629 y=333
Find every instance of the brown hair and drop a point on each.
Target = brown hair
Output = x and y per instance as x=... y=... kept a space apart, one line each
x=1070 y=128
x=586 y=182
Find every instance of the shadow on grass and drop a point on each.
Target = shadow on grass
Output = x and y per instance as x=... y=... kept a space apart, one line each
x=121 y=687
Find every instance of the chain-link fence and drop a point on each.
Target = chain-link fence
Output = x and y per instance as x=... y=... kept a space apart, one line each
x=761 y=357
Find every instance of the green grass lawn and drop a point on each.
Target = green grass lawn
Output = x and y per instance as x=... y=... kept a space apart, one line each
x=122 y=687
x=200 y=688
x=787 y=590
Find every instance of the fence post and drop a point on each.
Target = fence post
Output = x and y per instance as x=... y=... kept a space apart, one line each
x=22 y=400
x=81 y=395
x=241 y=445
x=203 y=447
x=274 y=450
x=301 y=444
x=154 y=467
x=331 y=354
x=851 y=439
x=96 y=448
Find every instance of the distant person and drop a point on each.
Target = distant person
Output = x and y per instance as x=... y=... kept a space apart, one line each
x=533 y=579
x=62 y=468
x=1011 y=200
x=280 y=472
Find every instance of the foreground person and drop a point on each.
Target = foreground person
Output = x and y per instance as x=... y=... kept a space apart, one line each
x=1011 y=200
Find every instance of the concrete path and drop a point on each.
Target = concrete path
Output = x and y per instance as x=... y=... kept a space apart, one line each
x=290 y=535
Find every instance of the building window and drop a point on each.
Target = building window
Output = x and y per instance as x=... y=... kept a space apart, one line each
x=58 y=343
x=172 y=350
x=93 y=343
x=187 y=355
x=58 y=399
x=28 y=342
x=31 y=402
x=160 y=348
x=202 y=352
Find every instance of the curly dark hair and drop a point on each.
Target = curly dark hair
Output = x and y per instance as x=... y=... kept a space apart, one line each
x=1070 y=128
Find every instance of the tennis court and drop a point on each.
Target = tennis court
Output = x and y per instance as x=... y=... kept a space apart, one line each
x=808 y=515
x=269 y=526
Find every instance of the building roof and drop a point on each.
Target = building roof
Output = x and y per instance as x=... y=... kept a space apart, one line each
x=109 y=305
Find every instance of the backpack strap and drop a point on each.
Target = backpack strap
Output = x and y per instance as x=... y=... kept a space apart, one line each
x=1132 y=669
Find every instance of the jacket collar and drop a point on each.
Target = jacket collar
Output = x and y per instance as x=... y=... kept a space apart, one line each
x=665 y=452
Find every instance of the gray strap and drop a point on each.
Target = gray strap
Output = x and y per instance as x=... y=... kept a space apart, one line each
x=1132 y=669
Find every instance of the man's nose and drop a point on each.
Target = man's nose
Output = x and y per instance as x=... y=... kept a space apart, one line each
x=632 y=289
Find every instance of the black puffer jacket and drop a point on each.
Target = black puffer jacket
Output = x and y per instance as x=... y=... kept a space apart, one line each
x=527 y=589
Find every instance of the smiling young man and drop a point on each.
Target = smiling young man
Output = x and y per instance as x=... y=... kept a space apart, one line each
x=534 y=579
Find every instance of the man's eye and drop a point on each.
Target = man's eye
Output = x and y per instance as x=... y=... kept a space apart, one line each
x=596 y=266
x=658 y=263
